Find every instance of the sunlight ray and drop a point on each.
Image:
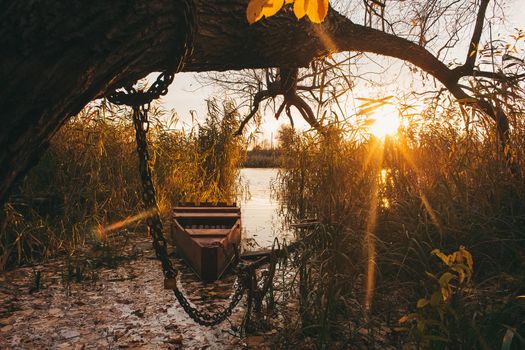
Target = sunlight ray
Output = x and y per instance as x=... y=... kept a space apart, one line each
x=386 y=121
x=325 y=38
x=376 y=154
x=101 y=232
x=426 y=203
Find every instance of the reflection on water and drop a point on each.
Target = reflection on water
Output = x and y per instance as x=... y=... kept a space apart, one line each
x=260 y=216
x=384 y=176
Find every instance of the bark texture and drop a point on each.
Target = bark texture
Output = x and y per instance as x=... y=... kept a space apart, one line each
x=58 y=55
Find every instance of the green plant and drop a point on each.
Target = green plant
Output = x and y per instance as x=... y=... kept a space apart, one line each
x=386 y=204
x=439 y=319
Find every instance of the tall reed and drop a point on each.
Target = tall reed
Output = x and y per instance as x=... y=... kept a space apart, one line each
x=383 y=206
x=90 y=175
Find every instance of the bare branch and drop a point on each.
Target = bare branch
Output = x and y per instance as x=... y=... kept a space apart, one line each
x=470 y=61
x=258 y=98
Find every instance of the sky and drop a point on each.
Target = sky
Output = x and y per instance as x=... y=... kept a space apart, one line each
x=186 y=94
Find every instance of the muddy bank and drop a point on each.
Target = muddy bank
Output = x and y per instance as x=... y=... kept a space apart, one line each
x=122 y=306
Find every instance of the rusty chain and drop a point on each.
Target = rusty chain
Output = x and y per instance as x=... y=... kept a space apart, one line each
x=140 y=102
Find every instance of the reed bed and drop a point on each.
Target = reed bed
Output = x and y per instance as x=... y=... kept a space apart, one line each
x=383 y=207
x=88 y=178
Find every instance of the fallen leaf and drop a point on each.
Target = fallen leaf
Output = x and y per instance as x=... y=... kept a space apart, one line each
x=69 y=333
x=254 y=340
x=6 y=329
x=175 y=340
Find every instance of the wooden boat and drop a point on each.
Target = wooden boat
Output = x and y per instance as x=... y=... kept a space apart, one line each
x=206 y=236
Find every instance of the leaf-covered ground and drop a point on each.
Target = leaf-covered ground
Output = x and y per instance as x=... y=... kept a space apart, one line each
x=124 y=306
x=112 y=297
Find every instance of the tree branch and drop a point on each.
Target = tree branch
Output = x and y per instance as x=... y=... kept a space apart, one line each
x=258 y=98
x=74 y=51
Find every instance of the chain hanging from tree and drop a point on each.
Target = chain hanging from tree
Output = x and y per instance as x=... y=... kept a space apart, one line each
x=140 y=102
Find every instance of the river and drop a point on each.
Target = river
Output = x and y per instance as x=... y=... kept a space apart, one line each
x=259 y=208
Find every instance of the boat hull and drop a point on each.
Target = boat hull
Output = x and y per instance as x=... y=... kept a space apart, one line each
x=207 y=237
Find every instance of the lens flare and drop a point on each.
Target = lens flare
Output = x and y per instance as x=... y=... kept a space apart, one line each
x=101 y=232
x=374 y=160
x=386 y=121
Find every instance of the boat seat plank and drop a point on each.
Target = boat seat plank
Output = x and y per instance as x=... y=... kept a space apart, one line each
x=206 y=215
x=207 y=209
x=208 y=231
x=204 y=241
x=206 y=237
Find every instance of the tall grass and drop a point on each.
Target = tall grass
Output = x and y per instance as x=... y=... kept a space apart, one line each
x=383 y=206
x=89 y=177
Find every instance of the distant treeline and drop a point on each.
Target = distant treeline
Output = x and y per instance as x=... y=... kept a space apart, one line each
x=262 y=158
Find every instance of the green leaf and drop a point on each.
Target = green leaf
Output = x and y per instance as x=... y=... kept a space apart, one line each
x=422 y=303
x=445 y=279
x=435 y=299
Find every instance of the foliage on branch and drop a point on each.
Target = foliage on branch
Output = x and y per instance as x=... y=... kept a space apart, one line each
x=315 y=10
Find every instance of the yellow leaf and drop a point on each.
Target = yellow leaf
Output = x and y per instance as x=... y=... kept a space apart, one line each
x=435 y=299
x=408 y=317
x=319 y=12
x=468 y=257
x=272 y=7
x=254 y=10
x=455 y=257
x=445 y=279
x=299 y=8
x=460 y=269
x=443 y=257
x=403 y=319
x=445 y=292
x=258 y=9
x=474 y=50
x=316 y=10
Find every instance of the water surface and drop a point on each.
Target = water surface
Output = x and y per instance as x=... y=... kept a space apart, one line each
x=260 y=210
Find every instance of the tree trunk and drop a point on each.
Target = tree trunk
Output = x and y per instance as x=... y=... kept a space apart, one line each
x=58 y=55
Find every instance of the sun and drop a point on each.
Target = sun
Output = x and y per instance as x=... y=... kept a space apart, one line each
x=386 y=121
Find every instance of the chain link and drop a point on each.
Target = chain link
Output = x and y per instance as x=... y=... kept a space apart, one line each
x=211 y=319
